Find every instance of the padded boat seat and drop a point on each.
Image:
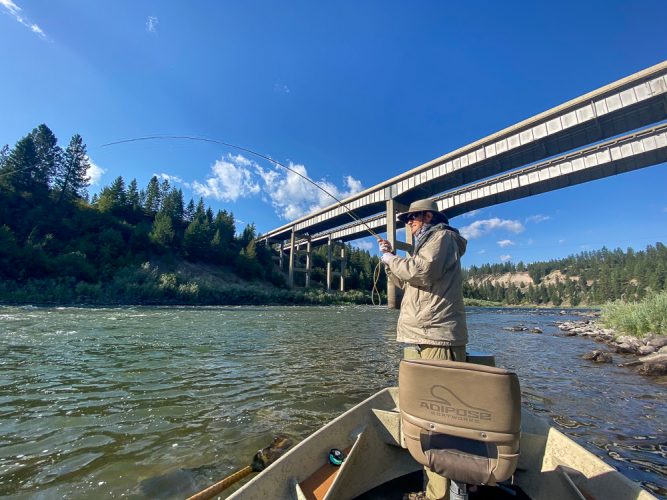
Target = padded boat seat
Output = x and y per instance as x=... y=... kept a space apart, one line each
x=461 y=420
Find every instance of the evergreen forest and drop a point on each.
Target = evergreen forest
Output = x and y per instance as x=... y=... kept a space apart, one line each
x=132 y=244
x=588 y=278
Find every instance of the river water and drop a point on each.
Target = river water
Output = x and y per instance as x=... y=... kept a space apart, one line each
x=148 y=402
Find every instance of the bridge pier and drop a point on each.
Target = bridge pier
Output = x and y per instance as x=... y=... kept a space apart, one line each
x=343 y=262
x=309 y=260
x=394 y=294
x=329 y=264
x=290 y=272
x=331 y=274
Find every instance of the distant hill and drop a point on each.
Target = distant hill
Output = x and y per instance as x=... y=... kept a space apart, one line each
x=588 y=278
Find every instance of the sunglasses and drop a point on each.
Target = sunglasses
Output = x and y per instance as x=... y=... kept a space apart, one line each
x=414 y=216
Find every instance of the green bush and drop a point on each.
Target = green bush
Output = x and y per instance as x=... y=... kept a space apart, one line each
x=637 y=318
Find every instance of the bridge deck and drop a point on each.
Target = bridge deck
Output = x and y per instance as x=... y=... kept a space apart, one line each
x=633 y=151
x=625 y=105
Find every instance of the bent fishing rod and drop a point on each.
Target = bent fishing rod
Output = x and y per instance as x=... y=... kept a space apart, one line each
x=250 y=151
x=376 y=272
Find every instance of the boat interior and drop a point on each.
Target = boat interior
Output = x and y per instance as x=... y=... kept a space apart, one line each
x=463 y=421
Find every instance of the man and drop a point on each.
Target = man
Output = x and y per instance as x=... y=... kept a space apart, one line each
x=432 y=315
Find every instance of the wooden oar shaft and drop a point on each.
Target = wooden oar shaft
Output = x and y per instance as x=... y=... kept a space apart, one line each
x=211 y=491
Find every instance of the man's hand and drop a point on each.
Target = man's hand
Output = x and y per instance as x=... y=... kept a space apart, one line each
x=385 y=246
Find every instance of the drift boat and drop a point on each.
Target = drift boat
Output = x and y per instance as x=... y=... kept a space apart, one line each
x=477 y=437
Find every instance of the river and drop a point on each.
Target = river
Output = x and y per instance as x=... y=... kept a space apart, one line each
x=143 y=402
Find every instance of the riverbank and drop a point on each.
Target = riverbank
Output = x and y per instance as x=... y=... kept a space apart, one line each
x=646 y=355
x=164 y=285
x=182 y=284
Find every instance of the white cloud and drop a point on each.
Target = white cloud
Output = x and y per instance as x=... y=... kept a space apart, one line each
x=151 y=24
x=281 y=88
x=560 y=242
x=481 y=252
x=364 y=245
x=173 y=179
x=94 y=172
x=472 y=213
x=505 y=243
x=481 y=227
x=505 y=258
x=15 y=11
x=229 y=180
x=292 y=196
x=537 y=218
x=287 y=191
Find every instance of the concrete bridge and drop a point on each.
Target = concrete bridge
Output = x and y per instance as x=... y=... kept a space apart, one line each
x=578 y=141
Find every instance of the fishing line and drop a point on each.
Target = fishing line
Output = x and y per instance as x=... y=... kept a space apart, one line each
x=247 y=150
x=376 y=273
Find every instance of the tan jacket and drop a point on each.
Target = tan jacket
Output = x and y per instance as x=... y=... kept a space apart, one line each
x=432 y=309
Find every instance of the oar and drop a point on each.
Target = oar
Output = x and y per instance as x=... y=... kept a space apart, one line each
x=262 y=459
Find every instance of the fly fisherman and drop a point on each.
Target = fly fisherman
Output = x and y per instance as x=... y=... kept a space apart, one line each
x=432 y=316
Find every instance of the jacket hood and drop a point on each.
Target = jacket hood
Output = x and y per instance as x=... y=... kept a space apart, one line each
x=460 y=240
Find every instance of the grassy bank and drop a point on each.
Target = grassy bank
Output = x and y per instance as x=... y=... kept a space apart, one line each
x=638 y=318
x=150 y=284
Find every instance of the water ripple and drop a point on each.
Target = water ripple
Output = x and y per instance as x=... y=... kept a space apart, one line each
x=101 y=402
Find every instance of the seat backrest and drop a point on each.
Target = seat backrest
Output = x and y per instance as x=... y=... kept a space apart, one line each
x=462 y=420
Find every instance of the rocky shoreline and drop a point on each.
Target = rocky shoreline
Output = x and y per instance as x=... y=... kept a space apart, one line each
x=648 y=354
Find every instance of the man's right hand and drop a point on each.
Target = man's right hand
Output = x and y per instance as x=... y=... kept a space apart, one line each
x=385 y=246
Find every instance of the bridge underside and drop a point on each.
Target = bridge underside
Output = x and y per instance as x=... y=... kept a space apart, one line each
x=493 y=170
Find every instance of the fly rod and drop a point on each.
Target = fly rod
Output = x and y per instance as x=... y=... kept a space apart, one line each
x=376 y=273
x=250 y=151
x=262 y=459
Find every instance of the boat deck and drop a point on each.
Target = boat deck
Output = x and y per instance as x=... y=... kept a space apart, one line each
x=394 y=490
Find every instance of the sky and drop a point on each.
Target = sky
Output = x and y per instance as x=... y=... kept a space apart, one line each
x=348 y=93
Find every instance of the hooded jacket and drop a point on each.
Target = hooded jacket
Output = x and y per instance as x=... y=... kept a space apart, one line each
x=432 y=309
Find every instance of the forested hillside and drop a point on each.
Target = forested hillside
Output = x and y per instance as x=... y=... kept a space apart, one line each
x=137 y=244
x=127 y=244
x=588 y=278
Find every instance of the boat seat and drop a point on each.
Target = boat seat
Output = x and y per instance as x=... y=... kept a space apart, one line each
x=461 y=420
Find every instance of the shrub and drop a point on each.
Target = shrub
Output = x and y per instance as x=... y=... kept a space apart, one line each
x=637 y=318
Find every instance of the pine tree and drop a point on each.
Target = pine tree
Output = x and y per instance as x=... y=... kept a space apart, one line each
x=163 y=232
x=189 y=212
x=197 y=239
x=153 y=197
x=224 y=222
x=21 y=167
x=249 y=234
x=200 y=211
x=165 y=189
x=172 y=205
x=113 y=198
x=4 y=153
x=133 y=197
x=49 y=154
x=71 y=179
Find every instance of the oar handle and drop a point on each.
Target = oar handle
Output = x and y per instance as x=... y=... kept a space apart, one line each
x=211 y=491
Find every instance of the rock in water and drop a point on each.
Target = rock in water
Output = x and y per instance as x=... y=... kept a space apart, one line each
x=598 y=356
x=654 y=365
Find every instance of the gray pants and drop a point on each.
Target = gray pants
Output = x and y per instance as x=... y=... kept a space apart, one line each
x=435 y=485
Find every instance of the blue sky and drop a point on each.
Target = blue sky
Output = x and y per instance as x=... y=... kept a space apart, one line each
x=350 y=93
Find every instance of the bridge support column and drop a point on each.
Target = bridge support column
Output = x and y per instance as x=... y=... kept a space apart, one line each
x=290 y=274
x=329 y=264
x=343 y=261
x=393 y=293
x=309 y=260
x=281 y=257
